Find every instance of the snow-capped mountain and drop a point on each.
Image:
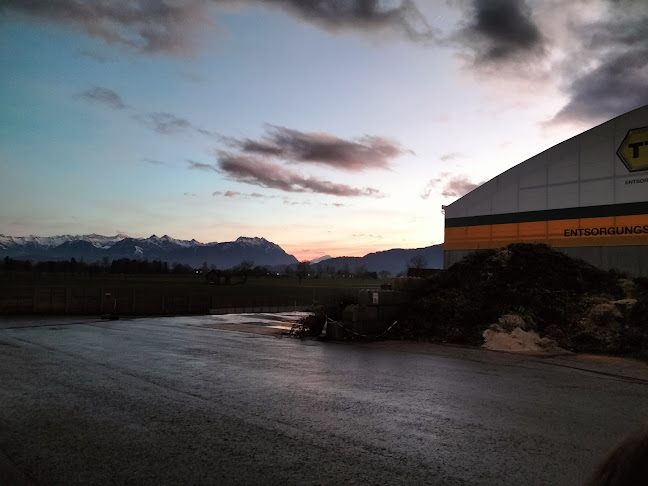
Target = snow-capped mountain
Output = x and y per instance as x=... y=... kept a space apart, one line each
x=97 y=247
x=320 y=259
x=98 y=241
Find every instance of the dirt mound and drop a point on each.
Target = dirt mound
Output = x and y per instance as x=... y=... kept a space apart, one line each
x=579 y=306
x=518 y=341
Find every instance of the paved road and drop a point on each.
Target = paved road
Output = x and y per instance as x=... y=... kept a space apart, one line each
x=171 y=401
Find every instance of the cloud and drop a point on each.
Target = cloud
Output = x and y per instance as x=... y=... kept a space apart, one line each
x=104 y=96
x=614 y=78
x=153 y=161
x=288 y=202
x=500 y=30
x=403 y=17
x=449 y=185
x=615 y=87
x=169 y=124
x=294 y=146
x=451 y=156
x=193 y=165
x=242 y=195
x=457 y=186
x=144 y=26
x=261 y=172
x=172 y=27
x=592 y=51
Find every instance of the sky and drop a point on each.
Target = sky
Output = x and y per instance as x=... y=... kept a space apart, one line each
x=334 y=127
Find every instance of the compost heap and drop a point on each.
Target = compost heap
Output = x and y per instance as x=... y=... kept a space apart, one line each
x=526 y=288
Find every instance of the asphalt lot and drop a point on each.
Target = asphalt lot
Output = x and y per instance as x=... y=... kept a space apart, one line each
x=190 y=400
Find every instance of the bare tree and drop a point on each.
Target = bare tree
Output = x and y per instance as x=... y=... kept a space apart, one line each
x=244 y=268
x=417 y=261
x=303 y=270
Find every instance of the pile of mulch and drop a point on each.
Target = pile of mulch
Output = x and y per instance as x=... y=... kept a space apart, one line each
x=581 y=307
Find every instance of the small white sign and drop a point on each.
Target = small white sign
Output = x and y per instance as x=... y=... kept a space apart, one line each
x=375 y=297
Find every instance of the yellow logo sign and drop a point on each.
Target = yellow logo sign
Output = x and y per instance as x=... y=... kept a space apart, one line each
x=633 y=151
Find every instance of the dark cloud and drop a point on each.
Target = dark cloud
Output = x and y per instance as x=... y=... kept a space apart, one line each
x=231 y=194
x=169 y=124
x=368 y=152
x=449 y=185
x=104 y=96
x=261 y=172
x=594 y=51
x=171 y=27
x=500 y=30
x=145 y=26
x=368 y=15
x=619 y=80
x=615 y=87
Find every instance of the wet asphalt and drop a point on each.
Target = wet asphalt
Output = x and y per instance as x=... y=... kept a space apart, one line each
x=174 y=401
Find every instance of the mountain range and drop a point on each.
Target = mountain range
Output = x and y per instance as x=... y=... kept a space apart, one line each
x=392 y=261
x=260 y=251
x=92 y=248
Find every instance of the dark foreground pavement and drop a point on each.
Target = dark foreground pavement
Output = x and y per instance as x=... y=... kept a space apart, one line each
x=171 y=401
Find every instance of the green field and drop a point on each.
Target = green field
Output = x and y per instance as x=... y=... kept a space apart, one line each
x=152 y=294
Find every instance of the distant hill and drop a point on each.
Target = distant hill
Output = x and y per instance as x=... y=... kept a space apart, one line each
x=392 y=261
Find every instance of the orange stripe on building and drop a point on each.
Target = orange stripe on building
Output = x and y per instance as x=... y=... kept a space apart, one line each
x=558 y=233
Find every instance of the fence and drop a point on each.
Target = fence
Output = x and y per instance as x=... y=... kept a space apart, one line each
x=126 y=301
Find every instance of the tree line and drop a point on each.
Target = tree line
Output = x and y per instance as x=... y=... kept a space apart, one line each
x=301 y=270
x=74 y=266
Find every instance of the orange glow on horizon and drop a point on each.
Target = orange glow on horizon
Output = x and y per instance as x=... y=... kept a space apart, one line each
x=307 y=254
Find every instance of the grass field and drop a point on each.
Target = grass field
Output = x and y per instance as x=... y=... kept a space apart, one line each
x=28 y=292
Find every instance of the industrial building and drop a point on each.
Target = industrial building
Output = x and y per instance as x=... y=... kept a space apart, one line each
x=586 y=196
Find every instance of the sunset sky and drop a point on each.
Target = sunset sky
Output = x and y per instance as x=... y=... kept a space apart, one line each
x=325 y=126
